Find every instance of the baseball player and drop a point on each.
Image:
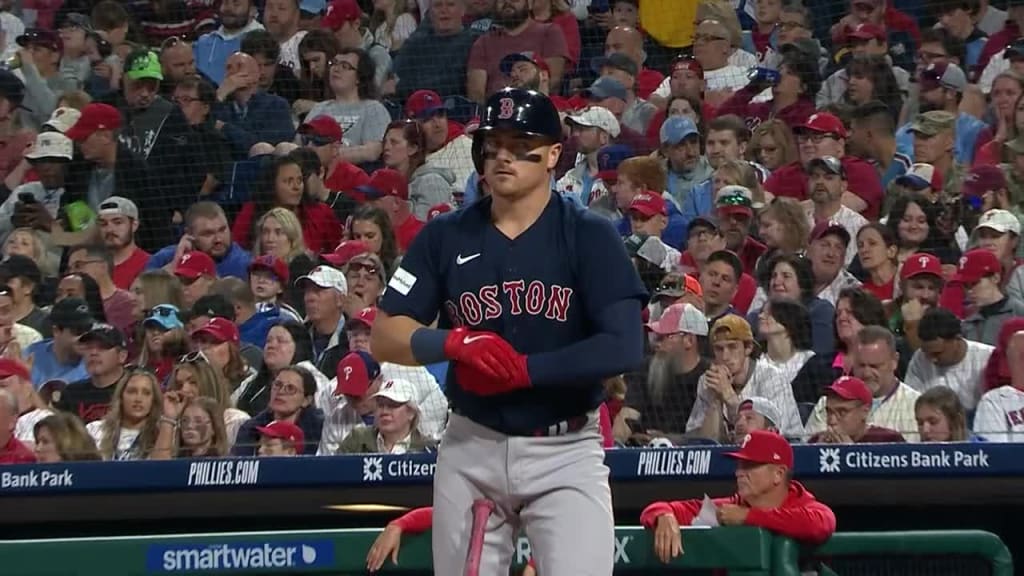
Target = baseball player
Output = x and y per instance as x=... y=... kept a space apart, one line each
x=536 y=302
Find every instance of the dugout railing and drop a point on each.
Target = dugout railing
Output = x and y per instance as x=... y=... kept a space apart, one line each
x=740 y=551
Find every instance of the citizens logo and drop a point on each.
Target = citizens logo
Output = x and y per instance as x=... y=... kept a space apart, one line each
x=828 y=460
x=373 y=469
x=240 y=556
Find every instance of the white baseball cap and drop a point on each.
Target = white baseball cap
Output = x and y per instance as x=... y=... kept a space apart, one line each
x=51 y=145
x=118 y=206
x=1001 y=221
x=683 y=317
x=763 y=406
x=326 y=277
x=597 y=117
x=397 y=390
x=63 y=118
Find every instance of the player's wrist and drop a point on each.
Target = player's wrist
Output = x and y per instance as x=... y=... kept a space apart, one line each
x=430 y=345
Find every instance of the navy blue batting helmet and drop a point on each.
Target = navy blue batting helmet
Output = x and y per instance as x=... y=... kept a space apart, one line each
x=525 y=111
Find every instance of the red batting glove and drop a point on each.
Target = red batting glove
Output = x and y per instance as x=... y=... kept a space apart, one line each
x=488 y=353
x=473 y=380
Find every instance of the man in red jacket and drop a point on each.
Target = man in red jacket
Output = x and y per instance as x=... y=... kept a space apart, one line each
x=766 y=497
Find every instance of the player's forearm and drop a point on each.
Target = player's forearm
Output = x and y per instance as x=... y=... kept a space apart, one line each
x=415 y=521
x=684 y=511
x=812 y=523
x=617 y=348
x=391 y=339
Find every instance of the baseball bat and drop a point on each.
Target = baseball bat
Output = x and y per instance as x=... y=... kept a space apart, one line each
x=482 y=509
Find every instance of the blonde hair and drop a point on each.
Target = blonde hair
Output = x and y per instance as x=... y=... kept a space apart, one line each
x=219 y=444
x=209 y=380
x=792 y=219
x=112 y=421
x=174 y=343
x=72 y=440
x=292 y=229
x=41 y=250
x=780 y=133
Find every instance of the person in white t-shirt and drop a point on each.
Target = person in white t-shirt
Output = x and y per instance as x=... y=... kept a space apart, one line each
x=16 y=378
x=1000 y=413
x=948 y=359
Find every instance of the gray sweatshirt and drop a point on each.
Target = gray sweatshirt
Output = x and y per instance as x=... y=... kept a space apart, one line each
x=428 y=187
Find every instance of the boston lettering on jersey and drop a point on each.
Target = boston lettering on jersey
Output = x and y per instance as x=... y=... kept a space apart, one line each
x=489 y=302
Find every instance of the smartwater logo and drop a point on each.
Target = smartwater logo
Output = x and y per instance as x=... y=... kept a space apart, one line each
x=240 y=556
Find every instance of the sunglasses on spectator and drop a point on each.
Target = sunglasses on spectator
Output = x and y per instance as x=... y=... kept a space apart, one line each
x=161 y=311
x=193 y=357
x=707 y=38
x=314 y=140
x=367 y=267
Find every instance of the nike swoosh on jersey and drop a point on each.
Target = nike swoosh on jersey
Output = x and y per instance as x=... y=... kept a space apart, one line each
x=460 y=260
x=471 y=339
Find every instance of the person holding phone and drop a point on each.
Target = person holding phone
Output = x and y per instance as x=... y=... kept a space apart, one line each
x=49 y=155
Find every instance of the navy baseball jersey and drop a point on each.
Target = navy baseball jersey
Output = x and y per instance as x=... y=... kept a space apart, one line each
x=538 y=291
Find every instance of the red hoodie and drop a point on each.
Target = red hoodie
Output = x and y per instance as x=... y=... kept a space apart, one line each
x=795 y=114
x=800 y=517
x=861 y=179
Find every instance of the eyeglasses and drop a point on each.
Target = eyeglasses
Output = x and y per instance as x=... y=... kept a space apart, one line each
x=184 y=100
x=285 y=388
x=816 y=137
x=356 y=267
x=707 y=38
x=343 y=64
x=193 y=357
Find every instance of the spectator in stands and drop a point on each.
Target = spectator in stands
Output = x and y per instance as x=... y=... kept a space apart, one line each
x=219 y=342
x=58 y=358
x=49 y=158
x=783 y=227
x=207 y=231
x=947 y=359
x=246 y=115
x=394 y=429
x=282 y=185
x=720 y=271
x=287 y=344
x=826 y=188
x=213 y=48
x=365 y=275
x=826 y=251
x=941 y=417
x=725 y=147
x=191 y=428
x=363 y=119
x=348 y=405
x=372 y=226
x=734 y=210
x=789 y=276
x=755 y=413
x=981 y=273
x=429 y=184
x=325 y=289
x=164 y=341
x=281 y=18
x=82 y=286
x=316 y=50
x=871 y=78
x=197 y=273
x=766 y=497
x=129 y=429
x=876 y=249
x=592 y=128
x=637 y=175
x=772 y=145
x=391 y=24
x=872 y=138
x=280 y=236
x=936 y=141
x=942 y=87
x=21 y=275
x=916 y=221
x=516 y=32
x=388 y=191
x=634 y=112
x=786 y=328
x=177 y=62
x=291 y=401
x=105 y=351
x=12 y=450
x=97 y=262
x=665 y=400
x=152 y=288
x=848 y=403
x=194 y=377
x=118 y=221
x=629 y=42
x=31 y=244
x=344 y=19
x=39 y=54
x=281 y=439
x=959 y=18
x=998 y=231
x=730 y=378
x=984 y=189
x=449 y=43
x=62 y=437
x=268 y=278
x=868 y=43
x=792 y=95
x=998 y=417
x=117 y=171
x=444 y=142
x=685 y=165
x=253 y=323
x=16 y=380
x=323 y=135
x=921 y=283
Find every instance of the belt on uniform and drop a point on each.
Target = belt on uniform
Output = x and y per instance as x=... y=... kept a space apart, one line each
x=564 y=427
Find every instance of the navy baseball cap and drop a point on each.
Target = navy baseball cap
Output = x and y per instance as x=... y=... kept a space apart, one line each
x=510 y=60
x=12 y=88
x=609 y=158
x=616 y=60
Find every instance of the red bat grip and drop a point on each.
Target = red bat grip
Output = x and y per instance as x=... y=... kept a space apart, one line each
x=482 y=509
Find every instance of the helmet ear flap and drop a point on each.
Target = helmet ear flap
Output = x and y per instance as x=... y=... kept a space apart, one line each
x=478 y=152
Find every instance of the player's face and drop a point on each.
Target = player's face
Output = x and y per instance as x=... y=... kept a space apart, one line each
x=719 y=281
x=516 y=165
x=925 y=288
x=845 y=416
x=932 y=424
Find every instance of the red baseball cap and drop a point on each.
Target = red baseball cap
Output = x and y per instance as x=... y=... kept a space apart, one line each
x=921 y=263
x=340 y=12
x=195 y=264
x=365 y=317
x=850 y=388
x=687 y=63
x=982 y=179
x=95 y=117
x=355 y=372
x=826 y=227
x=824 y=123
x=219 y=330
x=347 y=250
x=648 y=204
x=323 y=126
x=763 y=447
x=10 y=367
x=284 y=431
x=423 y=104
x=275 y=265
x=867 y=31
x=438 y=209
x=976 y=264
x=385 y=182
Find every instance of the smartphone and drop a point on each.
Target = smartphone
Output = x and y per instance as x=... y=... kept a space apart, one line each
x=26 y=198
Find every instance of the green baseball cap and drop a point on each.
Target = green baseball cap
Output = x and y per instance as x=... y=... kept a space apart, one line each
x=934 y=122
x=143 y=64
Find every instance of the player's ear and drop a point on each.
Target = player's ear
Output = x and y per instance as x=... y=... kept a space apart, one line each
x=554 y=153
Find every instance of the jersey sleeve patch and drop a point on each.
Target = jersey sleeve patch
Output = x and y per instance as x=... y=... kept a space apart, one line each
x=402 y=281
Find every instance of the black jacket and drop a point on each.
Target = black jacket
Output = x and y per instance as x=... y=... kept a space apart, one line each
x=311 y=421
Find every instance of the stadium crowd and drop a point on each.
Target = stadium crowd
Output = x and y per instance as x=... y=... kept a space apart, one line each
x=202 y=202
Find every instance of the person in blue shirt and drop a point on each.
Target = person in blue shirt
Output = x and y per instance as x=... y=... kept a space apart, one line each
x=212 y=49
x=206 y=230
x=57 y=358
x=246 y=115
x=253 y=323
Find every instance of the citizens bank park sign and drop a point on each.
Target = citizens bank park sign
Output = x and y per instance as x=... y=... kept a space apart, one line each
x=706 y=462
